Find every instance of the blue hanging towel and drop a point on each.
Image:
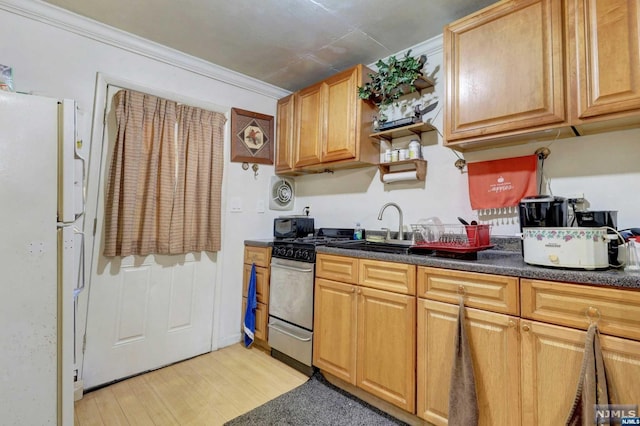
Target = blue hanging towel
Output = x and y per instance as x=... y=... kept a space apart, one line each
x=250 y=314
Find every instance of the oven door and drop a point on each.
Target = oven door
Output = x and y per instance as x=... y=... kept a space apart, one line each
x=291 y=292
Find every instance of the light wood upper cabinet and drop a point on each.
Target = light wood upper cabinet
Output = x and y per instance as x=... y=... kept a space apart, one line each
x=309 y=125
x=341 y=115
x=285 y=134
x=330 y=126
x=495 y=349
x=605 y=52
x=504 y=70
x=530 y=69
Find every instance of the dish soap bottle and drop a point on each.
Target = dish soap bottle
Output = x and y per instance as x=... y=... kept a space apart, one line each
x=357 y=232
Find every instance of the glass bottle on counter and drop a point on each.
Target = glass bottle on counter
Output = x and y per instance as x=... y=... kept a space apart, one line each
x=357 y=232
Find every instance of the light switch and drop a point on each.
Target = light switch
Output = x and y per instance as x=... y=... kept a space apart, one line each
x=236 y=204
x=260 y=206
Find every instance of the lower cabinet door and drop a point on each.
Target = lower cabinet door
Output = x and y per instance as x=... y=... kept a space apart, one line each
x=334 y=329
x=494 y=343
x=551 y=360
x=262 y=311
x=386 y=346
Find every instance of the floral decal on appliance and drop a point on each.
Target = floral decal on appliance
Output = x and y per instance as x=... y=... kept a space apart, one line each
x=568 y=234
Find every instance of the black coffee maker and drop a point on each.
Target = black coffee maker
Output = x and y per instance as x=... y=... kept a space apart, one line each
x=543 y=211
x=597 y=219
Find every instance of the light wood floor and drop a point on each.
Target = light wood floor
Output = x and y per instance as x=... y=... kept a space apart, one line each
x=207 y=390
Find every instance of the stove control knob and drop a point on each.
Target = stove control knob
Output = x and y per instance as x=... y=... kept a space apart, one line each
x=290 y=252
x=299 y=254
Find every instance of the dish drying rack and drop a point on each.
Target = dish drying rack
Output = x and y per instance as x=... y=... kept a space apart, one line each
x=451 y=238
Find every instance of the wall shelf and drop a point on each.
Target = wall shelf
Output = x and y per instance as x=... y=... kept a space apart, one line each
x=417 y=164
x=415 y=129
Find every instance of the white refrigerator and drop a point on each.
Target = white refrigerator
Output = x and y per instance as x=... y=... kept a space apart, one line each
x=41 y=202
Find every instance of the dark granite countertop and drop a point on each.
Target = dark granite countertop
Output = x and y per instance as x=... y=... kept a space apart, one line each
x=267 y=242
x=504 y=259
x=501 y=262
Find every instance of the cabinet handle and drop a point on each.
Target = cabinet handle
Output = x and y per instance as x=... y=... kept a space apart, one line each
x=512 y=323
x=353 y=290
x=525 y=327
x=593 y=315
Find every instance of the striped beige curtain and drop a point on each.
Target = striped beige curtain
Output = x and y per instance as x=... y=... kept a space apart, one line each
x=141 y=179
x=195 y=224
x=163 y=194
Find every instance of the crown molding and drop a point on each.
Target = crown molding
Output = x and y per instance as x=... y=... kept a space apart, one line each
x=428 y=47
x=85 y=27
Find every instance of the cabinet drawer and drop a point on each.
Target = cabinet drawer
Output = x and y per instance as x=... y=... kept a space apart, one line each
x=262 y=283
x=497 y=293
x=396 y=277
x=574 y=305
x=261 y=256
x=337 y=268
x=262 y=312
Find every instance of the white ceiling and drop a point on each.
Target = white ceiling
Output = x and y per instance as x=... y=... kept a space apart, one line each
x=288 y=43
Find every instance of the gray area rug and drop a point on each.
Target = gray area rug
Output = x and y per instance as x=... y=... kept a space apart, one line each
x=316 y=402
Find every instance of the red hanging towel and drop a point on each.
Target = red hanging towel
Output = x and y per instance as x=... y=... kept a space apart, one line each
x=502 y=183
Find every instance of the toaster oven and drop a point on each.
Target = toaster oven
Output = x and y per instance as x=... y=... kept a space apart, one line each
x=293 y=226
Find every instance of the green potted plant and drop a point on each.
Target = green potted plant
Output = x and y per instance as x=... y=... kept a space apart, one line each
x=394 y=78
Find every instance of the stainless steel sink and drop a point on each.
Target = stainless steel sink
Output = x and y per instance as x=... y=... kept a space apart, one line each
x=395 y=247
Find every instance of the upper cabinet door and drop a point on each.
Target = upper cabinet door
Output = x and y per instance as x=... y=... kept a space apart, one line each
x=505 y=70
x=340 y=107
x=606 y=52
x=285 y=134
x=309 y=125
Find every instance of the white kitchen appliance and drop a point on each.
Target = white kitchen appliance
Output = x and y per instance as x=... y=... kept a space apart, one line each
x=565 y=247
x=282 y=193
x=41 y=188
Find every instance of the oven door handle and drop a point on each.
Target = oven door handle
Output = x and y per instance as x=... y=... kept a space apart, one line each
x=291 y=268
x=289 y=334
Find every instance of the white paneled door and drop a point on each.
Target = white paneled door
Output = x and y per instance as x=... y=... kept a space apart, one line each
x=143 y=312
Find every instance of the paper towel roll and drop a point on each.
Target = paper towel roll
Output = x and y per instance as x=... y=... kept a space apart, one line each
x=400 y=176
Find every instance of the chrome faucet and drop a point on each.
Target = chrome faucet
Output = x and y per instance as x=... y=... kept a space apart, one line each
x=400 y=228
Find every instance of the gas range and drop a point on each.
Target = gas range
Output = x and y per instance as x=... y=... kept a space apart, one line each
x=303 y=249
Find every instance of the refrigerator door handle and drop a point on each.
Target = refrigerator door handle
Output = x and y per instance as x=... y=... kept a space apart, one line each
x=81 y=267
x=84 y=181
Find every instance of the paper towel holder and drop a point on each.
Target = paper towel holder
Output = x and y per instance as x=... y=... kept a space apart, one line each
x=417 y=164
